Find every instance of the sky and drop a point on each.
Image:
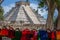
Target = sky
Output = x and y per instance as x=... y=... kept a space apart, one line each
x=8 y=4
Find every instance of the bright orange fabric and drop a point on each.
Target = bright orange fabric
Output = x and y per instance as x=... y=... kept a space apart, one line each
x=58 y=35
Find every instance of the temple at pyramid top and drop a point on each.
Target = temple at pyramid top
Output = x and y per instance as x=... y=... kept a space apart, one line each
x=22 y=2
x=23 y=13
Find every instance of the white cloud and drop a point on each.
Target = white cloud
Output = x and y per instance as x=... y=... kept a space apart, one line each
x=8 y=7
x=34 y=6
x=43 y=13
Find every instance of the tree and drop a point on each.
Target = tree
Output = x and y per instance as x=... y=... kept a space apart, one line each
x=50 y=4
x=1 y=13
x=58 y=8
x=1 y=10
x=1 y=2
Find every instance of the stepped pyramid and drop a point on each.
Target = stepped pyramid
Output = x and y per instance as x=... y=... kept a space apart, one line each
x=22 y=12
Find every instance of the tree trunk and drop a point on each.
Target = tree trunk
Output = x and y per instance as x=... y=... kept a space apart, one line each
x=51 y=9
x=58 y=20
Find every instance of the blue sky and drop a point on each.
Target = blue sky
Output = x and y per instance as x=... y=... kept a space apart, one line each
x=8 y=4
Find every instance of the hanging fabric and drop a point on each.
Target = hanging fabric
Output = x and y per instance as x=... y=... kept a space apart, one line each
x=18 y=34
x=0 y=35
x=11 y=33
x=38 y=35
x=53 y=35
x=34 y=32
x=24 y=34
x=43 y=34
x=4 y=32
x=57 y=35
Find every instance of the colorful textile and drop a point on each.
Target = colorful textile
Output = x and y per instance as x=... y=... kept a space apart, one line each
x=43 y=34
x=53 y=35
x=0 y=35
x=4 y=32
x=11 y=33
x=25 y=34
x=38 y=36
x=58 y=35
x=34 y=35
x=49 y=35
x=18 y=35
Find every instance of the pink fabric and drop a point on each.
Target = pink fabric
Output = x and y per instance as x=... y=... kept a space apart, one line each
x=34 y=35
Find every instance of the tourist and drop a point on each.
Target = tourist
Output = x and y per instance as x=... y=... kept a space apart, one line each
x=18 y=34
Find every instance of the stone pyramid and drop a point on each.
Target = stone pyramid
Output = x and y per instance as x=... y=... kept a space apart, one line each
x=22 y=12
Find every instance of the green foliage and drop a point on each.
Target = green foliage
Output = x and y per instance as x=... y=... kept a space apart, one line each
x=57 y=2
x=42 y=3
x=1 y=13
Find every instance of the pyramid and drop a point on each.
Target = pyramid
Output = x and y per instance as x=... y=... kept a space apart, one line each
x=22 y=12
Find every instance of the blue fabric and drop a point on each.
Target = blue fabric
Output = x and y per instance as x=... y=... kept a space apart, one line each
x=43 y=39
x=43 y=34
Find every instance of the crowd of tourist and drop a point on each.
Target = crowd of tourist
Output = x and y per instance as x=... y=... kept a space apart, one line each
x=26 y=34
